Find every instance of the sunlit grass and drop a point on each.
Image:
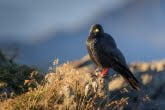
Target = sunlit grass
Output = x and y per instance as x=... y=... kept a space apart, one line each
x=64 y=89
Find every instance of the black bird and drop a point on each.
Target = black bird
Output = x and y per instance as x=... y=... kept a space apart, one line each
x=104 y=52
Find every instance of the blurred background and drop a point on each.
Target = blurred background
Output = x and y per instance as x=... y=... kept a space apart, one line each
x=37 y=32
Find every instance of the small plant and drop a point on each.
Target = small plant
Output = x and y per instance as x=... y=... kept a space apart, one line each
x=16 y=79
x=65 y=89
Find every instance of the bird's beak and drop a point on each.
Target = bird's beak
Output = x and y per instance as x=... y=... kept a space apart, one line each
x=96 y=30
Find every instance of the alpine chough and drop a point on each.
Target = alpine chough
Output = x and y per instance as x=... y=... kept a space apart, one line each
x=104 y=52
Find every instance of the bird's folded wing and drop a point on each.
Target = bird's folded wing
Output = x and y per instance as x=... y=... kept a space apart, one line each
x=112 y=52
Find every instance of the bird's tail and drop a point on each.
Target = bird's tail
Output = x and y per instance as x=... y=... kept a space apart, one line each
x=129 y=77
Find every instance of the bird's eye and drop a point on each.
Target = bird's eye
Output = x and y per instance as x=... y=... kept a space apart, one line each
x=96 y=30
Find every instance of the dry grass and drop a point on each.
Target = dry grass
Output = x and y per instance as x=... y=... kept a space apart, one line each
x=66 y=88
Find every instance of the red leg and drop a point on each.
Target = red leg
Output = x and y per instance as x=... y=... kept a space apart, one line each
x=104 y=71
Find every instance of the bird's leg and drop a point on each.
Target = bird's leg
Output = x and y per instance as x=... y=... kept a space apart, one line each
x=104 y=71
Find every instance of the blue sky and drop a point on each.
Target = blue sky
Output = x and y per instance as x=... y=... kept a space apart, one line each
x=45 y=30
x=27 y=20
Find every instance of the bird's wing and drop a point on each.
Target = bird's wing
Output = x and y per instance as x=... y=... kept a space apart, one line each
x=117 y=60
x=118 y=56
x=110 y=50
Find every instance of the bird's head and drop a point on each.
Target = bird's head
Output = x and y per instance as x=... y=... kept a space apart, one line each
x=96 y=29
